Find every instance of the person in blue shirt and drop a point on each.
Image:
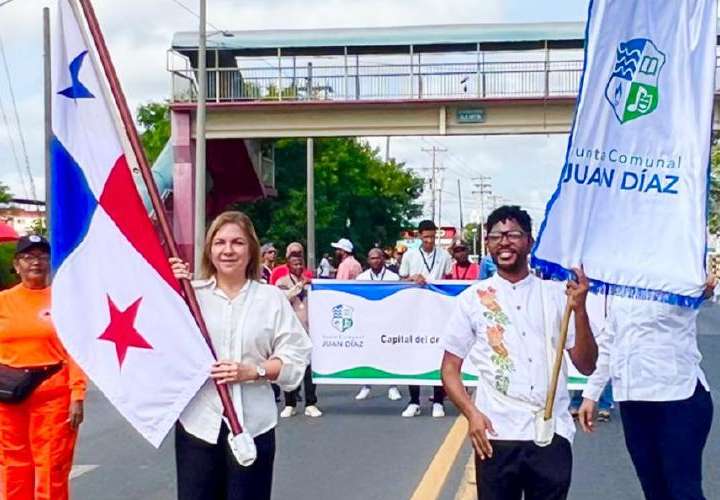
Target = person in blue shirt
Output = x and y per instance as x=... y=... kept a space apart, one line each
x=487 y=267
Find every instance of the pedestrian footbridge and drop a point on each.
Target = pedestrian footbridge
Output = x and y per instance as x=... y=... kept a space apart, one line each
x=419 y=80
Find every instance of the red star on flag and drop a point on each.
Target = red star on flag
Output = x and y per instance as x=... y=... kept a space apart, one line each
x=121 y=331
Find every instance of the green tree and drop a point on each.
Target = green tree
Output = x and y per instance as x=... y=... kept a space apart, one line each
x=5 y=195
x=714 y=195
x=357 y=196
x=154 y=118
x=7 y=250
x=8 y=277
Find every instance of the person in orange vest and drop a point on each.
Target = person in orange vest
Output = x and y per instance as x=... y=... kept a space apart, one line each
x=38 y=426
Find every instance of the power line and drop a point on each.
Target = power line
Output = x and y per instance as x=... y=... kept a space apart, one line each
x=188 y=9
x=12 y=148
x=33 y=192
x=435 y=169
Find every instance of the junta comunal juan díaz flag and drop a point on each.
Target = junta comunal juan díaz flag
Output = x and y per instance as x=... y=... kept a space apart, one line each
x=115 y=303
x=631 y=202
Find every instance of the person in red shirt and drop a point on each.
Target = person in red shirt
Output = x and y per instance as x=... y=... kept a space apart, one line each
x=462 y=268
x=280 y=271
x=37 y=434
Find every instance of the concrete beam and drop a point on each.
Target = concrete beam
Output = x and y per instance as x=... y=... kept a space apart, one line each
x=390 y=118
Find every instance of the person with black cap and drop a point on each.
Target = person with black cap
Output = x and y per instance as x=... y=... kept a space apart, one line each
x=463 y=269
x=421 y=265
x=41 y=388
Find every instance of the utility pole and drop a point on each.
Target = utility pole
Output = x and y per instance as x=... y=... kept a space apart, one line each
x=484 y=188
x=495 y=201
x=311 y=204
x=387 y=149
x=47 y=72
x=440 y=203
x=462 y=227
x=433 y=186
x=200 y=139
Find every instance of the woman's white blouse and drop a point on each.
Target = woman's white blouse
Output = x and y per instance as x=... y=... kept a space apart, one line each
x=256 y=325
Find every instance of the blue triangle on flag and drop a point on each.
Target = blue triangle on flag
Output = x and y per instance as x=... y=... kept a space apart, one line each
x=72 y=204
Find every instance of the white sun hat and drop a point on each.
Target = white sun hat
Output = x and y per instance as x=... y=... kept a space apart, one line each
x=343 y=244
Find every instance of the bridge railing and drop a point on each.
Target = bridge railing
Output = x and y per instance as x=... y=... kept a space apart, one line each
x=458 y=80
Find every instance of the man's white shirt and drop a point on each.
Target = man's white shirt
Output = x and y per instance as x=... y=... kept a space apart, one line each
x=500 y=326
x=433 y=266
x=649 y=351
x=384 y=275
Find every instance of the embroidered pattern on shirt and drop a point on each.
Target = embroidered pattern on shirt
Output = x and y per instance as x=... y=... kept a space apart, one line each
x=497 y=321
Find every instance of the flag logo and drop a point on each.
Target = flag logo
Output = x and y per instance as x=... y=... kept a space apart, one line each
x=342 y=317
x=633 y=88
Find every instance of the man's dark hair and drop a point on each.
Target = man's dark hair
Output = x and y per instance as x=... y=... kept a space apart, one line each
x=426 y=225
x=507 y=212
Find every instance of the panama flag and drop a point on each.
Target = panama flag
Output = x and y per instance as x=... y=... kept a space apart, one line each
x=631 y=202
x=115 y=303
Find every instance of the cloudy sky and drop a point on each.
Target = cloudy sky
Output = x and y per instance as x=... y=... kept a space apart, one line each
x=524 y=169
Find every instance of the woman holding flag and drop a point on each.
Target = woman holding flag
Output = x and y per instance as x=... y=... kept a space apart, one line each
x=258 y=340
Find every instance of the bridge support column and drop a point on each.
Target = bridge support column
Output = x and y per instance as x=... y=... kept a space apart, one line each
x=183 y=218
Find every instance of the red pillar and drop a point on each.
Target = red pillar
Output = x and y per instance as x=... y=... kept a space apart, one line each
x=183 y=183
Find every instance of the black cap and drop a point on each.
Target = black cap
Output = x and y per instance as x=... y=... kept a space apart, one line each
x=427 y=225
x=30 y=241
x=460 y=244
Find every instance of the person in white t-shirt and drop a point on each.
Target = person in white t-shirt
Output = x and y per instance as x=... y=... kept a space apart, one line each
x=649 y=350
x=421 y=265
x=378 y=272
x=507 y=325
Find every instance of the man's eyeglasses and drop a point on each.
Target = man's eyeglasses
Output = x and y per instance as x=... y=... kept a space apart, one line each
x=512 y=236
x=29 y=257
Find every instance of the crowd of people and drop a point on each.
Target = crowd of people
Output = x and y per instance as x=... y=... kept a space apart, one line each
x=506 y=323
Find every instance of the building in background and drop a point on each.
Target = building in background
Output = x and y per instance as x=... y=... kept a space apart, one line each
x=23 y=215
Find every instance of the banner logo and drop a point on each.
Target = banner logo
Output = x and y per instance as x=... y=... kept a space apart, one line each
x=633 y=89
x=342 y=317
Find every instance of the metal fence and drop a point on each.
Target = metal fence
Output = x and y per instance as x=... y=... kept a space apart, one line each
x=384 y=81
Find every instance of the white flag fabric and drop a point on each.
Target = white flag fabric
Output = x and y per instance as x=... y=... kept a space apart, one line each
x=630 y=205
x=115 y=303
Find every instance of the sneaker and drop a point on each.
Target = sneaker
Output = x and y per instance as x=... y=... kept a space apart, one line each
x=438 y=410
x=412 y=410
x=312 y=411
x=394 y=394
x=603 y=416
x=288 y=412
x=364 y=393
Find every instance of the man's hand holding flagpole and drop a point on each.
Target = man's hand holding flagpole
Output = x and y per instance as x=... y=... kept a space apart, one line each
x=576 y=295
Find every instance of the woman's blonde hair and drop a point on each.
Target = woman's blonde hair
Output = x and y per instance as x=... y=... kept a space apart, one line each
x=207 y=269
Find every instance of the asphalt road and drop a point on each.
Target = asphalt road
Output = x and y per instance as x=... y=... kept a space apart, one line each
x=362 y=450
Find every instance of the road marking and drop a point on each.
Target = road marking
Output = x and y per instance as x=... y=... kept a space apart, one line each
x=467 y=489
x=432 y=482
x=79 y=470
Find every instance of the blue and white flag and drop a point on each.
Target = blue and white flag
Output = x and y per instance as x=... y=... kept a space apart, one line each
x=630 y=205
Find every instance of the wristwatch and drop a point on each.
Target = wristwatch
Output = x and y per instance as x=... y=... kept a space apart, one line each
x=260 y=371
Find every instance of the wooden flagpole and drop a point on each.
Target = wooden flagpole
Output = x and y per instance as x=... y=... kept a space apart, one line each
x=139 y=153
x=552 y=388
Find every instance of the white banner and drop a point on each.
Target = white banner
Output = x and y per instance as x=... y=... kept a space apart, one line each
x=381 y=332
x=630 y=205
